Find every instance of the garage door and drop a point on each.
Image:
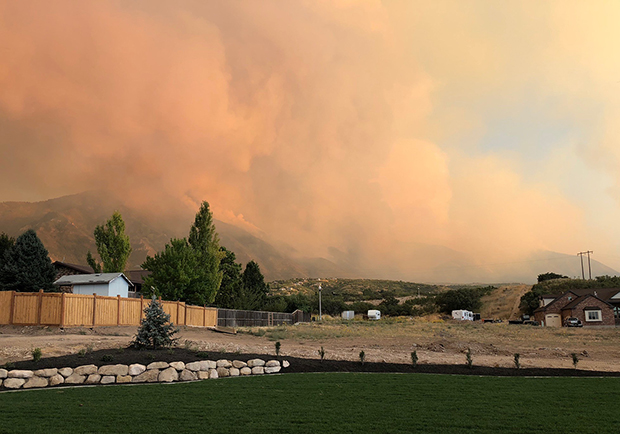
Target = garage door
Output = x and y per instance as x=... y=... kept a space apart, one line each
x=553 y=320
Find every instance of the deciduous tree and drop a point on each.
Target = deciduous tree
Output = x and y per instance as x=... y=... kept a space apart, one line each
x=113 y=246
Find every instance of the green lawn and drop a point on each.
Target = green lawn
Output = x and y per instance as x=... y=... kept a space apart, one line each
x=312 y=403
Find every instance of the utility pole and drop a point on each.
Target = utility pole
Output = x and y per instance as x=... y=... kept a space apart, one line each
x=589 y=265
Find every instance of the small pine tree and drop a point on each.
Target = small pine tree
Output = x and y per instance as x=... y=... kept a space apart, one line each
x=517 y=361
x=362 y=356
x=468 y=358
x=414 y=358
x=155 y=330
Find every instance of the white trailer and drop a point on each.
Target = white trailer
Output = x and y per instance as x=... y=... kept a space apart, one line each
x=462 y=315
x=374 y=315
x=348 y=314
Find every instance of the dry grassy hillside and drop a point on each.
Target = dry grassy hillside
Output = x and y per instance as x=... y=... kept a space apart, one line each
x=503 y=302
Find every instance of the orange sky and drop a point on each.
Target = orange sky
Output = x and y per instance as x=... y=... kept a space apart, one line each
x=357 y=128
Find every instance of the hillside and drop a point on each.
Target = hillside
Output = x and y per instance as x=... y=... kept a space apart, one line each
x=66 y=225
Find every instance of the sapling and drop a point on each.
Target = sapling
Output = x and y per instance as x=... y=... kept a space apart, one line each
x=278 y=348
x=414 y=358
x=575 y=360
x=516 y=360
x=468 y=358
x=362 y=356
x=36 y=354
x=322 y=354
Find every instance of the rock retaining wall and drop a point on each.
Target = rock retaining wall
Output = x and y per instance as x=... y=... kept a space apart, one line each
x=156 y=372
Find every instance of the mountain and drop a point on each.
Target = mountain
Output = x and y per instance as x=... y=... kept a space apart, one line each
x=66 y=224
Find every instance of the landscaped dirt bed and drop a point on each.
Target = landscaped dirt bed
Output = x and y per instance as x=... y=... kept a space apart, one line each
x=128 y=356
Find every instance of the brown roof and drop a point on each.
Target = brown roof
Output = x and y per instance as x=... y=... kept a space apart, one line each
x=604 y=294
x=578 y=300
x=84 y=269
x=137 y=276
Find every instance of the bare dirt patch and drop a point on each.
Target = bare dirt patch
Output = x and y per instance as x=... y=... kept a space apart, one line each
x=390 y=341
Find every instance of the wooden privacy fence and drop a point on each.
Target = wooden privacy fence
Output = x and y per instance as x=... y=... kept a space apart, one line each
x=72 y=310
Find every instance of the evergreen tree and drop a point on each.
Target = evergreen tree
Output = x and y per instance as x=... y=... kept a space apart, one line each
x=27 y=266
x=231 y=286
x=6 y=242
x=255 y=290
x=113 y=246
x=155 y=330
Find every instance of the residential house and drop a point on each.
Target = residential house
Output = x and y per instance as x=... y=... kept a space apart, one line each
x=599 y=307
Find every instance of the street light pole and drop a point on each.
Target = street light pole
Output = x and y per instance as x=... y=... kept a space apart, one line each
x=320 y=313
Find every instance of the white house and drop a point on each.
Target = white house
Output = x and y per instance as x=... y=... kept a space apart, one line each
x=105 y=284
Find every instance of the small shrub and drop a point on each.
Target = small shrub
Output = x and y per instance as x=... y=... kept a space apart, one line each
x=170 y=351
x=82 y=352
x=120 y=350
x=150 y=357
x=322 y=354
x=155 y=330
x=516 y=360
x=9 y=365
x=107 y=358
x=89 y=348
x=362 y=356
x=468 y=358
x=278 y=348
x=202 y=354
x=575 y=359
x=414 y=358
x=36 y=354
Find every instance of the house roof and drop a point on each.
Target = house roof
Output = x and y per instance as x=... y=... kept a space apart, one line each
x=604 y=294
x=91 y=279
x=84 y=269
x=578 y=300
x=137 y=276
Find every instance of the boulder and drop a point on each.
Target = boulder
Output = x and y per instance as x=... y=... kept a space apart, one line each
x=1 y=380
x=256 y=362
x=35 y=382
x=258 y=370
x=272 y=363
x=245 y=371
x=179 y=366
x=136 y=369
x=208 y=364
x=213 y=373
x=114 y=370
x=203 y=375
x=223 y=372
x=13 y=383
x=46 y=372
x=285 y=363
x=85 y=370
x=187 y=375
x=75 y=379
x=157 y=365
x=17 y=373
x=193 y=366
x=234 y=372
x=56 y=380
x=124 y=379
x=93 y=379
x=65 y=372
x=223 y=363
x=239 y=364
x=150 y=376
x=108 y=379
x=168 y=375
x=4 y=373
x=272 y=369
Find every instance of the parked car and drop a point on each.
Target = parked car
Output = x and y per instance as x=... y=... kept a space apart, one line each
x=572 y=322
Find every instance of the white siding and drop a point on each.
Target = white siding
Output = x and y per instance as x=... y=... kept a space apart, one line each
x=118 y=286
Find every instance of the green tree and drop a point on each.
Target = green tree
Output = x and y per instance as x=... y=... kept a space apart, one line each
x=27 y=266
x=188 y=269
x=255 y=290
x=550 y=276
x=113 y=246
x=232 y=285
x=463 y=298
x=155 y=330
x=6 y=242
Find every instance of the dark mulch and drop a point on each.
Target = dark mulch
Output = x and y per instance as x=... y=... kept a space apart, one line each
x=130 y=355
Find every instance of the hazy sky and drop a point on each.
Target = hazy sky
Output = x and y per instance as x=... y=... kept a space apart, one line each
x=354 y=128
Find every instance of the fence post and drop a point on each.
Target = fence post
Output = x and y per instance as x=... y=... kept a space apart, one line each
x=94 y=308
x=118 y=311
x=141 y=308
x=12 y=307
x=40 y=307
x=178 y=311
x=204 y=315
x=62 y=309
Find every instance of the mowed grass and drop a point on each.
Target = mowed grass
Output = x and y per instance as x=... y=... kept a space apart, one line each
x=312 y=403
